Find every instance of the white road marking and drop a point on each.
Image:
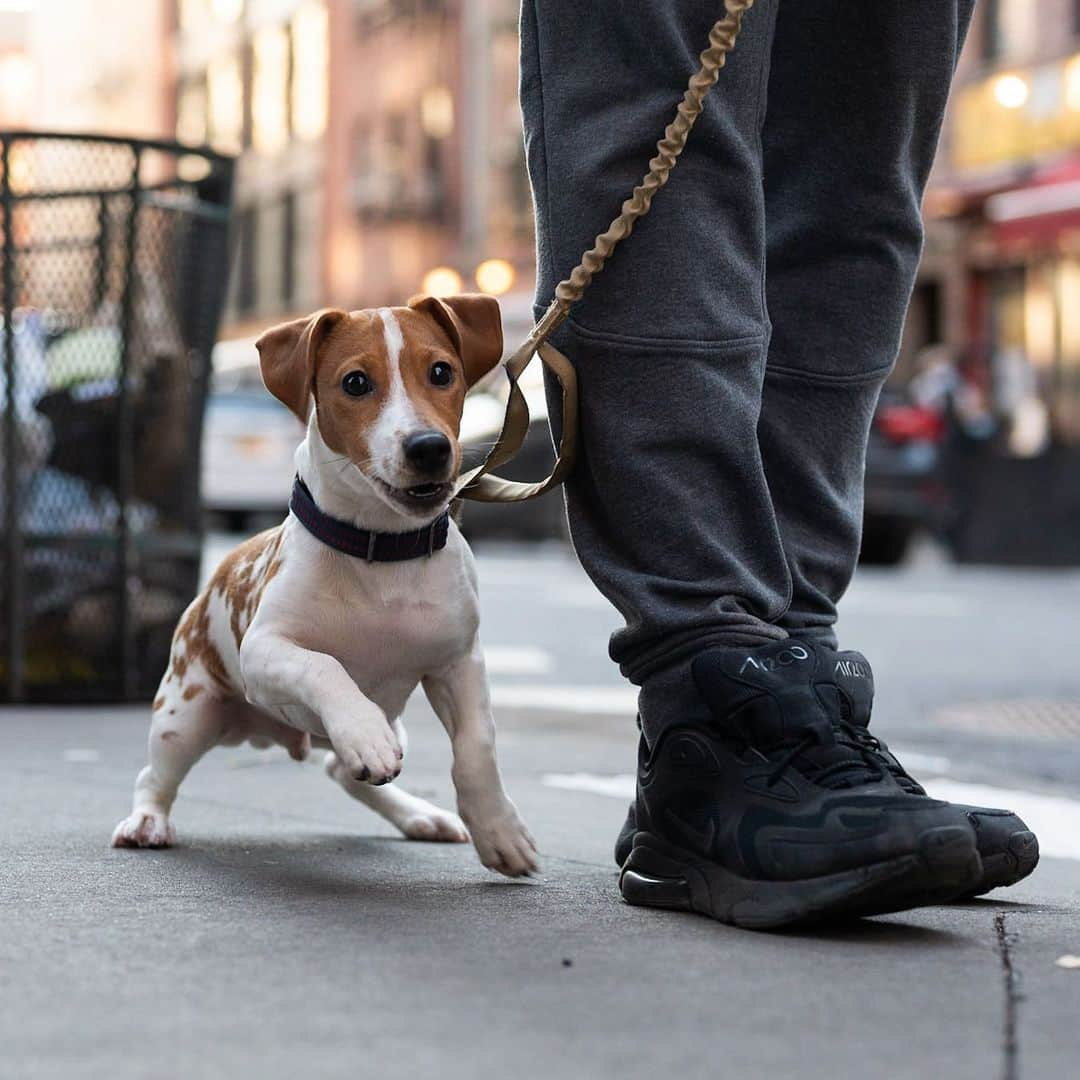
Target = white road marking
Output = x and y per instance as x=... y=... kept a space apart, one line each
x=1068 y=961
x=595 y=700
x=1054 y=819
x=517 y=660
x=619 y=786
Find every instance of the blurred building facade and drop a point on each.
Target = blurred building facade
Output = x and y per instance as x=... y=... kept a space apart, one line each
x=380 y=154
x=379 y=146
x=86 y=65
x=1000 y=283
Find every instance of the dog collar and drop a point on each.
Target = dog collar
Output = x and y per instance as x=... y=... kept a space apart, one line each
x=362 y=543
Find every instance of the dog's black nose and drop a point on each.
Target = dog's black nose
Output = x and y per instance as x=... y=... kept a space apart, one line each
x=427 y=451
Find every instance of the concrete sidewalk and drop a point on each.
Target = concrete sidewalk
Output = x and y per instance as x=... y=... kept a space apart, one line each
x=291 y=935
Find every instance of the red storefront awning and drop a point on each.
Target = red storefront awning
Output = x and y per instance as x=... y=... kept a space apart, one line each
x=1038 y=212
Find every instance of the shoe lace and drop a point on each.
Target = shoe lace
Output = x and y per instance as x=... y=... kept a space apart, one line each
x=888 y=761
x=861 y=766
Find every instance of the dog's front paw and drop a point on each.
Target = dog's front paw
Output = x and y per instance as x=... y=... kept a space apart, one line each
x=370 y=756
x=502 y=841
x=144 y=829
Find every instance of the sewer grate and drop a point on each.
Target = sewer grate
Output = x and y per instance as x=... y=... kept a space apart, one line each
x=1032 y=718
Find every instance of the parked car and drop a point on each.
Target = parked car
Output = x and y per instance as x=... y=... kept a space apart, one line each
x=249 y=439
x=905 y=489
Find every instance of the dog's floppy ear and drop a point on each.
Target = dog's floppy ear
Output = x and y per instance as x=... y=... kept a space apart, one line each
x=287 y=356
x=474 y=325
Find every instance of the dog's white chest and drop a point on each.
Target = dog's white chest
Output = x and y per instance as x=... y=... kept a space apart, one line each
x=387 y=624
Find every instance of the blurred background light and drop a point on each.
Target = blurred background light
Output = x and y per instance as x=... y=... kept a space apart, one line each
x=495 y=276
x=441 y=281
x=1011 y=91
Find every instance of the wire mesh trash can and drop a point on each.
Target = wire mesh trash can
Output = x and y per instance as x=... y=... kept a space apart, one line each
x=113 y=271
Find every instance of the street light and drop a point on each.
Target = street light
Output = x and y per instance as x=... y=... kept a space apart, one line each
x=441 y=281
x=495 y=277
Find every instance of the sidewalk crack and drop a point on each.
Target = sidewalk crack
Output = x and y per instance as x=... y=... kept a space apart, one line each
x=1009 y=1038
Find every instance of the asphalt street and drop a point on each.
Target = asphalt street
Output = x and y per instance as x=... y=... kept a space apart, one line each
x=290 y=933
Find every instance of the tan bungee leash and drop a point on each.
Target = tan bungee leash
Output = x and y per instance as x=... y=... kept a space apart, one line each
x=479 y=483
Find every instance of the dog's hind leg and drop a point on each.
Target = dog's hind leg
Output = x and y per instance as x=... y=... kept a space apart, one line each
x=183 y=728
x=416 y=818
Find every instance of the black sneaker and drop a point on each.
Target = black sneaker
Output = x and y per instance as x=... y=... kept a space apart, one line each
x=766 y=810
x=1008 y=848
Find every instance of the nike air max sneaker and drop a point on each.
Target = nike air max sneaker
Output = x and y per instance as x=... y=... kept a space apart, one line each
x=767 y=810
x=1008 y=848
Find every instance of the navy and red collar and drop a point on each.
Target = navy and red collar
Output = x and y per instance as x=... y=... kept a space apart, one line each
x=362 y=543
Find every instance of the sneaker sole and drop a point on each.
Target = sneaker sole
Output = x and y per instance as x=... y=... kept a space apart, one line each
x=1000 y=870
x=947 y=865
x=1009 y=866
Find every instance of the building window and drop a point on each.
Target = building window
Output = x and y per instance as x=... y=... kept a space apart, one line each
x=991 y=45
x=191 y=112
x=310 y=70
x=437 y=112
x=227 y=11
x=431 y=194
x=1010 y=29
x=247 y=277
x=393 y=158
x=190 y=14
x=269 y=90
x=248 y=75
x=288 y=249
x=225 y=92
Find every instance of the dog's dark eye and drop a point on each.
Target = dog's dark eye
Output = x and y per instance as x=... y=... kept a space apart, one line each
x=356 y=384
x=442 y=374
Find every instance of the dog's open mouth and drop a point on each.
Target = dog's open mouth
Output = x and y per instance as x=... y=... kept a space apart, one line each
x=419 y=495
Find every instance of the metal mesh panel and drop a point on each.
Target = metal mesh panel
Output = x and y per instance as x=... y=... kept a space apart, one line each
x=114 y=260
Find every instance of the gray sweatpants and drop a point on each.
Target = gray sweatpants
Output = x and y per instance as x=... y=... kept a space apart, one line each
x=731 y=354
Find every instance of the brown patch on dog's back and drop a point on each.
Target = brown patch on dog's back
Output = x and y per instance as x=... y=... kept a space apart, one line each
x=243 y=575
x=239 y=580
x=158 y=703
x=193 y=634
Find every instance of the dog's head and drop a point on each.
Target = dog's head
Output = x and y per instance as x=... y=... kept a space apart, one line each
x=389 y=385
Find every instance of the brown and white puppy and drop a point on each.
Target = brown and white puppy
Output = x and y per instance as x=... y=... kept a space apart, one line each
x=297 y=643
